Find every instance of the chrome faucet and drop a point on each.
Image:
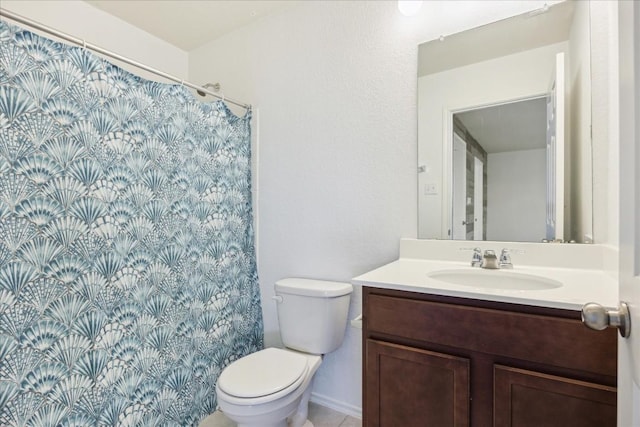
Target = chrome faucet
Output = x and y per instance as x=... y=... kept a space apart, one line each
x=476 y=259
x=505 y=259
x=489 y=260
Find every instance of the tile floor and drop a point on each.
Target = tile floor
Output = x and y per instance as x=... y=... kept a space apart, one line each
x=320 y=416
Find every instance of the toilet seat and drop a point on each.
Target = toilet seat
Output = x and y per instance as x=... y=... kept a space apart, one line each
x=263 y=376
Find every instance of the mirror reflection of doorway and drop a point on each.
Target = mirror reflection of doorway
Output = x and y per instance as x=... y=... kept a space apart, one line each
x=555 y=153
x=468 y=195
x=478 y=199
x=499 y=152
x=459 y=211
x=519 y=146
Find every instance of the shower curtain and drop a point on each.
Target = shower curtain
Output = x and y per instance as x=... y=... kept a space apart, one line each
x=127 y=264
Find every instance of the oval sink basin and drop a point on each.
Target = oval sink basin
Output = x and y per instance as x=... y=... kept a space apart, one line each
x=495 y=279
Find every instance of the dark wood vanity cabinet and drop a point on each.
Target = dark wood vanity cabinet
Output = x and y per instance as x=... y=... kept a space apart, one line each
x=430 y=360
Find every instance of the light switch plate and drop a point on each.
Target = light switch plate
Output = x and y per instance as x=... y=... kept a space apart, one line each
x=430 y=189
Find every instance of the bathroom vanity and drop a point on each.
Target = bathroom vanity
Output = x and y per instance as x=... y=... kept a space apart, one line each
x=440 y=354
x=431 y=360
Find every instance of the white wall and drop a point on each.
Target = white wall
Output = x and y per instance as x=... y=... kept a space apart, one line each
x=334 y=86
x=516 y=195
x=579 y=186
x=79 y=19
x=605 y=111
x=516 y=76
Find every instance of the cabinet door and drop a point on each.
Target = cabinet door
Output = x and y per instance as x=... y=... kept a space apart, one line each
x=408 y=387
x=525 y=398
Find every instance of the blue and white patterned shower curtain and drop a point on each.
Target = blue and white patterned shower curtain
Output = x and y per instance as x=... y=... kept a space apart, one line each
x=127 y=266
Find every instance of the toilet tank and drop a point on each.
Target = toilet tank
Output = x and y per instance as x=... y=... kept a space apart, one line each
x=312 y=313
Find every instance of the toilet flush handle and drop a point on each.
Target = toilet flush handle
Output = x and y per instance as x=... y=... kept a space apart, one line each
x=277 y=298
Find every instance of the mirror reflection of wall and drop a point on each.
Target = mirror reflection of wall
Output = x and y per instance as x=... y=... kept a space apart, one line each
x=496 y=66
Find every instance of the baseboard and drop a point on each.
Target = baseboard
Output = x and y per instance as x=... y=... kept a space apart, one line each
x=345 y=408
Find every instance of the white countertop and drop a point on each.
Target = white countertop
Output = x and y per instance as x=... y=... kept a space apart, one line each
x=579 y=286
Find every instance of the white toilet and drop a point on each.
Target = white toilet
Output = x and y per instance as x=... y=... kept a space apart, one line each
x=271 y=388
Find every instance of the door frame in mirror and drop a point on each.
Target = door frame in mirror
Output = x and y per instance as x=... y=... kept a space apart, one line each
x=446 y=228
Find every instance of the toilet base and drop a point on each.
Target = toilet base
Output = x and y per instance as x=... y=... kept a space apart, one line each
x=280 y=424
x=293 y=414
x=297 y=419
x=287 y=411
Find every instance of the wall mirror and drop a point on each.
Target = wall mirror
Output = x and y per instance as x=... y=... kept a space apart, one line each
x=504 y=130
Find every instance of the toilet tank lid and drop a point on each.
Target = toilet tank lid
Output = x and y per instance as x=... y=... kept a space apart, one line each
x=313 y=288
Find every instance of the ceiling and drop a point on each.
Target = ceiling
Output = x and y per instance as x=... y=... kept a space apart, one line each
x=513 y=126
x=189 y=24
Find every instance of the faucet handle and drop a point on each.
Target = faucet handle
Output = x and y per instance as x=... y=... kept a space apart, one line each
x=476 y=259
x=505 y=259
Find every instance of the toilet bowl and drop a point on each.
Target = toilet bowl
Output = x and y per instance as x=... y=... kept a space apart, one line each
x=278 y=392
x=272 y=387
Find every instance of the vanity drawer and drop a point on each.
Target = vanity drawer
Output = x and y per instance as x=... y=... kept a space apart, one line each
x=529 y=337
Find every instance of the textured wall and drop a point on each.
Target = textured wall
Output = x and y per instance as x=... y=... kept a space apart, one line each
x=334 y=84
x=580 y=224
x=127 y=270
x=604 y=113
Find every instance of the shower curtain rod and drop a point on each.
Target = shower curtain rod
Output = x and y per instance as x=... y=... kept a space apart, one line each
x=81 y=42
